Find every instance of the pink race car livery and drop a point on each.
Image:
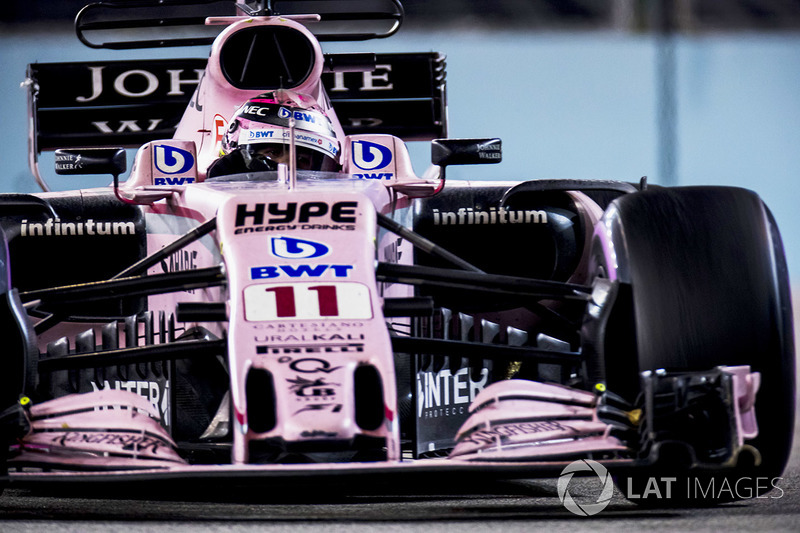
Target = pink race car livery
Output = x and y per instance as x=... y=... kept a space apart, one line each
x=273 y=294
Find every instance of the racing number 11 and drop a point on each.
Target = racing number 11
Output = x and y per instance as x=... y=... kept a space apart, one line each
x=285 y=301
x=304 y=301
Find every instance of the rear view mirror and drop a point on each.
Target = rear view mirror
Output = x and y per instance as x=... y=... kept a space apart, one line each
x=446 y=152
x=91 y=161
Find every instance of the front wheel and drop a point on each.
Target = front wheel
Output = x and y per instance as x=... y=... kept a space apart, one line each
x=703 y=283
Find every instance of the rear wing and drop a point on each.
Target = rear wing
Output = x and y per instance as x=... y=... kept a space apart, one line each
x=128 y=103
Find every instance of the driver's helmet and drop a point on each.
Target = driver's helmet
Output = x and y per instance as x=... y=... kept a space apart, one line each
x=258 y=136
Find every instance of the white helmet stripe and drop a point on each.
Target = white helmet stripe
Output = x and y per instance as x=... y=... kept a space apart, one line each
x=303 y=138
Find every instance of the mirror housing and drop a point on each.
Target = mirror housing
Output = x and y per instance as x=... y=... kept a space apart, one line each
x=91 y=161
x=445 y=152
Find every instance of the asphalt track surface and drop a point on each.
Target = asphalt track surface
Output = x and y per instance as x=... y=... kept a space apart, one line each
x=523 y=506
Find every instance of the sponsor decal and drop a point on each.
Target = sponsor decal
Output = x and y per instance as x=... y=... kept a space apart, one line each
x=333 y=407
x=292 y=248
x=126 y=442
x=370 y=156
x=443 y=394
x=321 y=348
x=220 y=125
x=392 y=252
x=307 y=327
x=298 y=271
x=171 y=160
x=292 y=227
x=375 y=176
x=180 y=261
x=260 y=134
x=311 y=365
x=127 y=125
x=157 y=393
x=68 y=162
x=317 y=433
x=467 y=216
x=315 y=337
x=293 y=215
x=304 y=119
x=376 y=80
x=312 y=389
x=255 y=110
x=144 y=79
x=172 y=181
x=54 y=227
x=300 y=116
x=308 y=138
x=503 y=431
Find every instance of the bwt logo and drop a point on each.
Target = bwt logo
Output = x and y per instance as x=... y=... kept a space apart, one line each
x=171 y=160
x=303 y=117
x=172 y=181
x=299 y=271
x=370 y=156
x=375 y=175
x=259 y=134
x=291 y=248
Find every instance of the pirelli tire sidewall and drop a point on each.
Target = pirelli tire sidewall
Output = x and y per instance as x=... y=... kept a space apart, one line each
x=707 y=282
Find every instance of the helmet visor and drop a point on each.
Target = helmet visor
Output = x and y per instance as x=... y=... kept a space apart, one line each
x=278 y=153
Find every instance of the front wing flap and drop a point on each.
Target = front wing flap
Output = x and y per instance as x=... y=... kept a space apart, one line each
x=512 y=433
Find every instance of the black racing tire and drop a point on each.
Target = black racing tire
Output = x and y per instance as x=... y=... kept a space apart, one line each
x=704 y=283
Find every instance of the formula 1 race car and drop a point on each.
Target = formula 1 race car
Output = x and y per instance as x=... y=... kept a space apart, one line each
x=274 y=295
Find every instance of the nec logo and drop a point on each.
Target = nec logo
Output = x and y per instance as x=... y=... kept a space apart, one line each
x=370 y=156
x=291 y=248
x=171 y=160
x=255 y=110
x=311 y=271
